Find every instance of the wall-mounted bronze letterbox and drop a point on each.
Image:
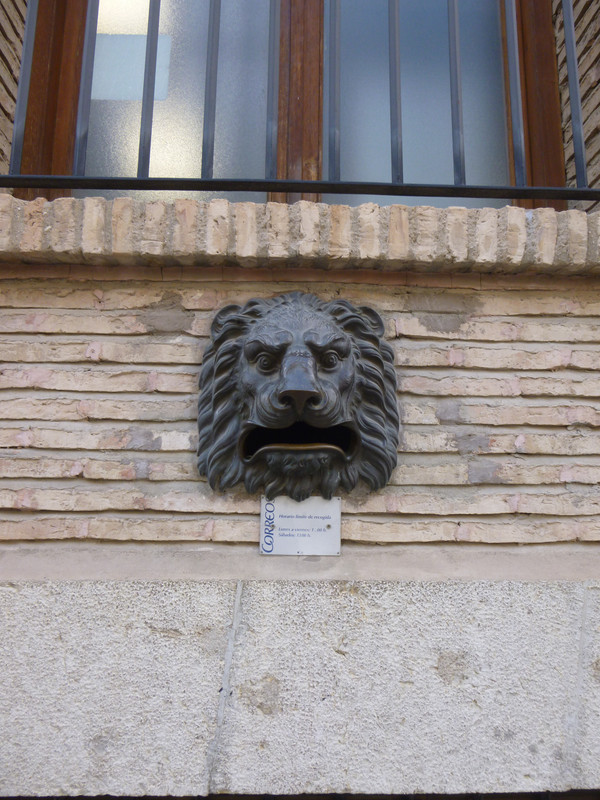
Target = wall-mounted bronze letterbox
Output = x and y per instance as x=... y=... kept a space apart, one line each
x=297 y=397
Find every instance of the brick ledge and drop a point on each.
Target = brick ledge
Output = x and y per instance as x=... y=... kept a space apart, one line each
x=395 y=238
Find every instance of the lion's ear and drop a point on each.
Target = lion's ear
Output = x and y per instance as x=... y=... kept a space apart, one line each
x=222 y=318
x=374 y=320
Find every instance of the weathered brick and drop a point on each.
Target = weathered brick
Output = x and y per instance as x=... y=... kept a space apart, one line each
x=456 y=234
x=93 y=228
x=124 y=352
x=154 y=239
x=512 y=236
x=398 y=236
x=74 y=322
x=436 y=474
x=367 y=225
x=217 y=230
x=34 y=233
x=49 y=408
x=122 y=229
x=64 y=234
x=496 y=412
x=142 y=408
x=476 y=502
x=397 y=501
x=277 y=230
x=517 y=530
x=40 y=468
x=106 y=498
x=7 y=205
x=593 y=246
x=340 y=233
x=578 y=386
x=454 y=326
x=82 y=437
x=572 y=241
x=306 y=228
x=186 y=224
x=99 y=379
x=484 y=242
x=246 y=233
x=473 y=357
x=194 y=528
x=424 y=233
x=542 y=235
x=480 y=442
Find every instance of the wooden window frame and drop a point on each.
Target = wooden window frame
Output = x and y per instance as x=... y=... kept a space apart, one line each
x=300 y=115
x=542 y=118
x=49 y=137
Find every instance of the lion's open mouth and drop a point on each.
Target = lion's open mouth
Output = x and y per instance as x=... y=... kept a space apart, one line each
x=299 y=436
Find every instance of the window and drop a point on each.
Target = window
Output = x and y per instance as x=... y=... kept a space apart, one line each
x=250 y=90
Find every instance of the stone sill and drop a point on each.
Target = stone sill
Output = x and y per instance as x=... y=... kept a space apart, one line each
x=206 y=561
x=187 y=232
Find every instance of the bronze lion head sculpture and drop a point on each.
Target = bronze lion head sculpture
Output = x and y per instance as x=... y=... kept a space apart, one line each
x=297 y=395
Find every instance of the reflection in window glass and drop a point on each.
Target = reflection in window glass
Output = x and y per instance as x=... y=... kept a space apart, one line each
x=486 y=148
x=114 y=124
x=241 y=124
x=177 y=120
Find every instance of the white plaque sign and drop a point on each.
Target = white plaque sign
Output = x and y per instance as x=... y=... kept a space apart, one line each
x=309 y=528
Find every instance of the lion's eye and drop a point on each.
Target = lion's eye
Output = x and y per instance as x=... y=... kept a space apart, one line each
x=330 y=359
x=265 y=363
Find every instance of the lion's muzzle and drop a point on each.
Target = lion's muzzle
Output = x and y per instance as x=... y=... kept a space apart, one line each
x=298 y=387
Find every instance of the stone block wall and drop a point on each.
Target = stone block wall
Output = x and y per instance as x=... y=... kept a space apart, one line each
x=12 y=28
x=498 y=374
x=587 y=33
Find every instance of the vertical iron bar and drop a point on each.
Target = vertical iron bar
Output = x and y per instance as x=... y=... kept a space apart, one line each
x=148 y=91
x=210 y=89
x=395 y=99
x=272 y=90
x=516 y=107
x=85 y=88
x=458 y=134
x=16 y=151
x=334 y=91
x=574 y=95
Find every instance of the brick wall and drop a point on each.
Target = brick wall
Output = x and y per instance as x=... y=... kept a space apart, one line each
x=587 y=32
x=499 y=382
x=12 y=26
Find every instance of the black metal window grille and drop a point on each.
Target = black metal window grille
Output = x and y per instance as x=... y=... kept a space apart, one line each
x=332 y=184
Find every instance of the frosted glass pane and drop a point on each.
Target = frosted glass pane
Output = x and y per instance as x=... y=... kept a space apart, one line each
x=425 y=77
x=113 y=138
x=365 y=91
x=177 y=120
x=241 y=118
x=119 y=61
x=114 y=124
x=484 y=114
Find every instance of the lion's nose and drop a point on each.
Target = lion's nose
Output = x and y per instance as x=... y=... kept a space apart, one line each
x=298 y=398
x=298 y=387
